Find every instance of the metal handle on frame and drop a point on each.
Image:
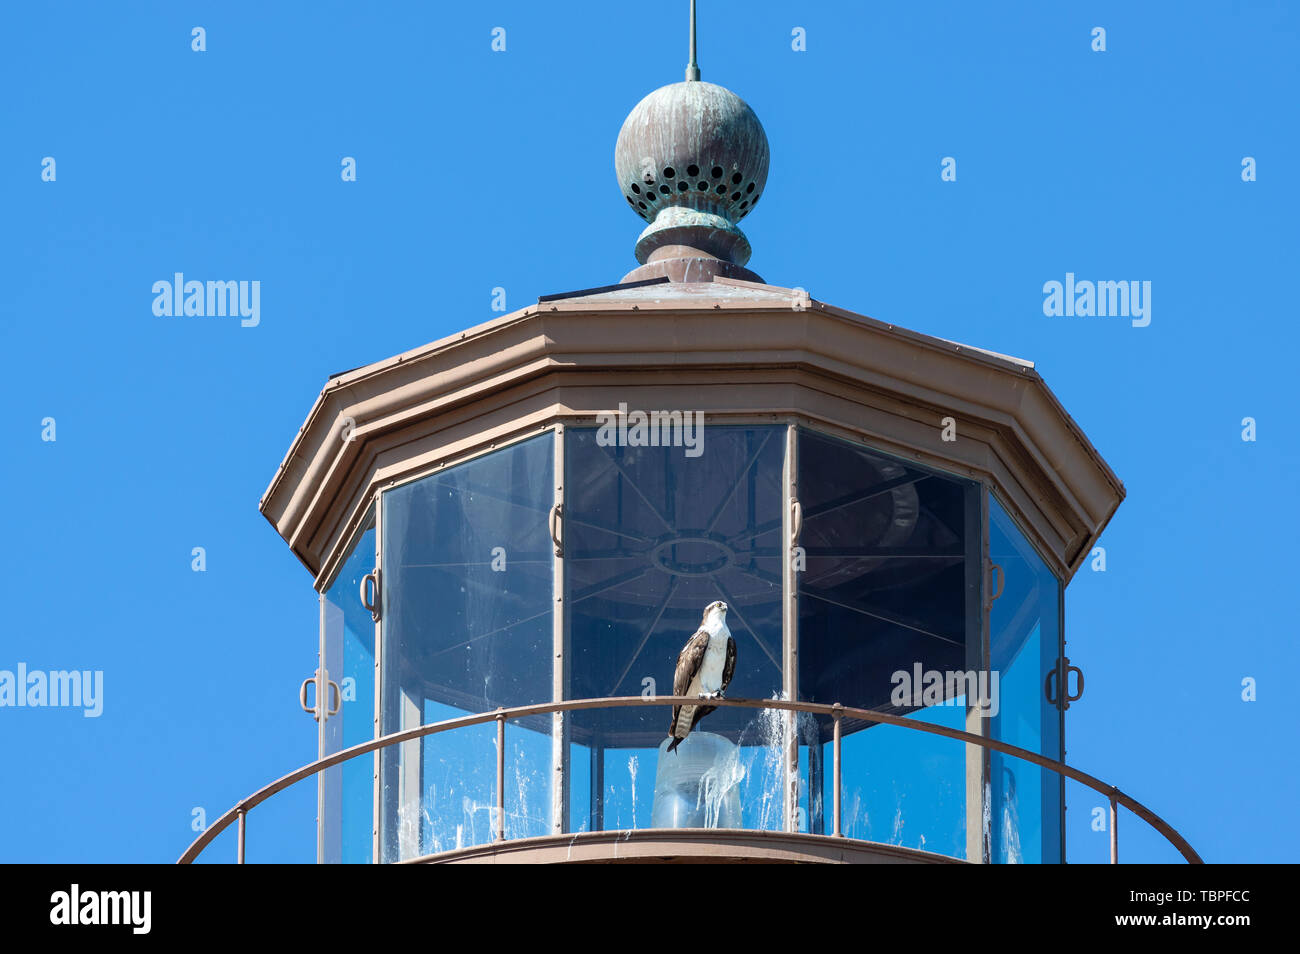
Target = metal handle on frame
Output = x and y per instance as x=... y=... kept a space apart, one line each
x=557 y=534
x=796 y=520
x=1002 y=581
x=370 y=593
x=1078 y=672
x=337 y=697
x=1065 y=697
x=302 y=696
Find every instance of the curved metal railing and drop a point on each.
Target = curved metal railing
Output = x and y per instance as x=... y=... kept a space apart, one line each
x=837 y=712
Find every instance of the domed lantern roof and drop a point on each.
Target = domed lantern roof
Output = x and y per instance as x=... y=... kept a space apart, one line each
x=692 y=161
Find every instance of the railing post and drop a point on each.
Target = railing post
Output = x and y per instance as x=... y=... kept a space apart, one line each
x=1114 y=830
x=239 y=851
x=501 y=775
x=837 y=830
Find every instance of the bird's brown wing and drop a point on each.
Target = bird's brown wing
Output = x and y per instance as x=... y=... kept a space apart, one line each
x=688 y=664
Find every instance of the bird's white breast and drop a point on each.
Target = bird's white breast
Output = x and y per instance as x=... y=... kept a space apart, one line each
x=715 y=660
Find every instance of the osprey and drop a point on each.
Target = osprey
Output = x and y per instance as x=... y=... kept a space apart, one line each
x=704 y=669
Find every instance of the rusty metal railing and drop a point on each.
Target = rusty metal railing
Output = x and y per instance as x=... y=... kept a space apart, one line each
x=836 y=712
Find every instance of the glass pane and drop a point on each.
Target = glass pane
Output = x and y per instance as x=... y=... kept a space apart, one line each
x=1025 y=638
x=349 y=789
x=467 y=577
x=629 y=788
x=456 y=772
x=582 y=795
x=888 y=614
x=653 y=535
x=903 y=787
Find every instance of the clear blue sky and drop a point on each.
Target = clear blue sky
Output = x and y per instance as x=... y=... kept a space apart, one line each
x=479 y=169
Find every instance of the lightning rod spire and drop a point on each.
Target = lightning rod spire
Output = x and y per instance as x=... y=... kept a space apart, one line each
x=692 y=68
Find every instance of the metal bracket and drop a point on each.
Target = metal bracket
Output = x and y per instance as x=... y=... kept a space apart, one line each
x=796 y=521
x=370 y=593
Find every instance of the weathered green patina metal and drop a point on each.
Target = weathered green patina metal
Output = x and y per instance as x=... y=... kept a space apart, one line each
x=692 y=160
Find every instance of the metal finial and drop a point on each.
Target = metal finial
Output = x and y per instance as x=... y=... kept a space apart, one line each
x=692 y=68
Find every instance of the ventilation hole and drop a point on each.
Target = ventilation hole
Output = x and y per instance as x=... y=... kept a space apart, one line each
x=717 y=172
x=735 y=196
x=722 y=189
x=650 y=196
x=703 y=186
x=641 y=206
x=631 y=201
x=666 y=189
x=670 y=172
x=683 y=186
x=692 y=170
x=754 y=202
x=749 y=188
x=737 y=179
x=636 y=188
x=745 y=203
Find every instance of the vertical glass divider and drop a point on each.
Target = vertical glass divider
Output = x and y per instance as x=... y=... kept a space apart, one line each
x=1114 y=830
x=560 y=660
x=978 y=847
x=790 y=624
x=499 y=825
x=838 y=774
x=379 y=685
x=320 y=733
x=1061 y=676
